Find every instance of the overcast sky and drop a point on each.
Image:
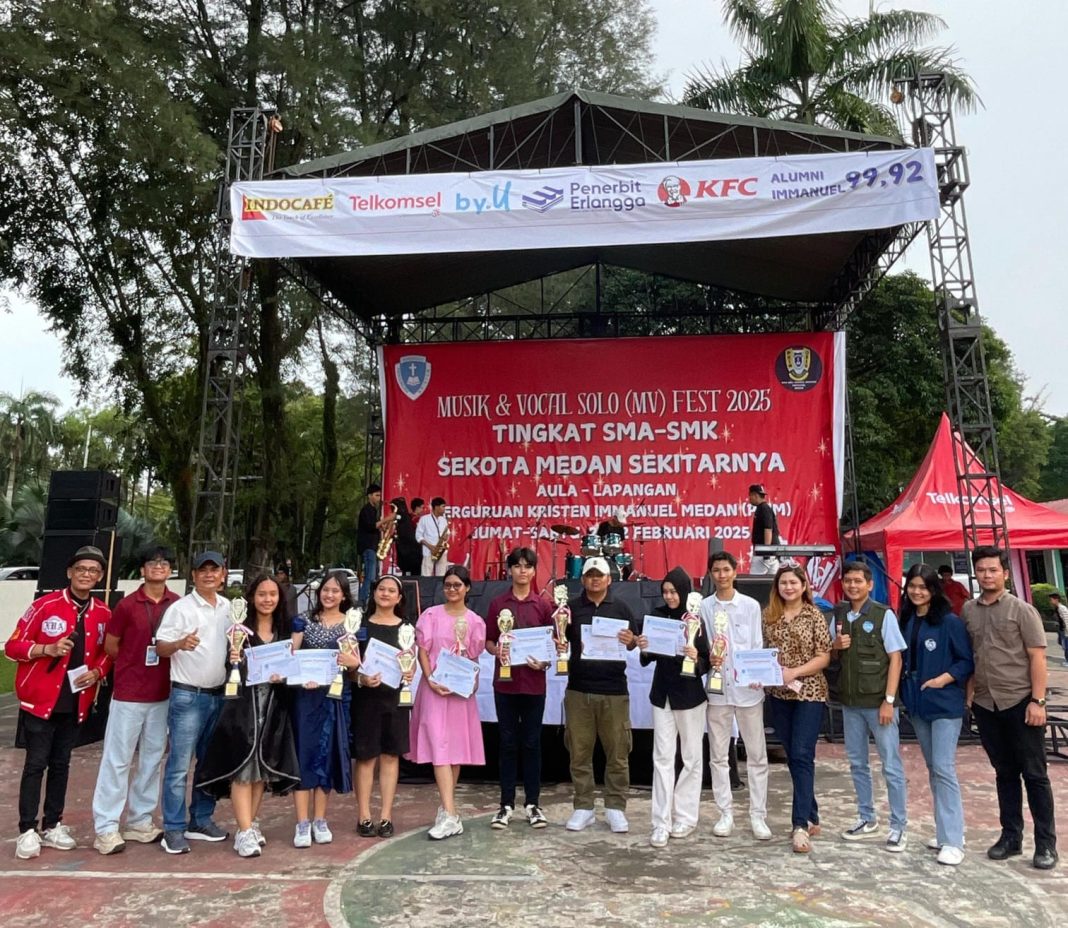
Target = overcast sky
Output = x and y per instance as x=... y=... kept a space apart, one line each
x=1017 y=207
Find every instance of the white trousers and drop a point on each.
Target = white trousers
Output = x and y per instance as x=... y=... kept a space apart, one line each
x=751 y=727
x=677 y=803
x=432 y=569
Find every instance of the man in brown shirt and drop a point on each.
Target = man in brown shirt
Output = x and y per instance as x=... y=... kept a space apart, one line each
x=1007 y=695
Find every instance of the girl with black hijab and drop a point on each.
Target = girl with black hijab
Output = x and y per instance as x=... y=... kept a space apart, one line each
x=678 y=711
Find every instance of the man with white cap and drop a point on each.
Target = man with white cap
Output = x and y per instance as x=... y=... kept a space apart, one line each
x=60 y=632
x=597 y=704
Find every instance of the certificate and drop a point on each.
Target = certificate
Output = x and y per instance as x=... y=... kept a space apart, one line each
x=534 y=642
x=455 y=673
x=315 y=665
x=381 y=658
x=666 y=636
x=759 y=666
x=267 y=660
x=601 y=648
x=604 y=627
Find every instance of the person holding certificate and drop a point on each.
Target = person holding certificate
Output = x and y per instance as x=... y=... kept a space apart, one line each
x=794 y=625
x=678 y=713
x=732 y=622
x=252 y=750
x=597 y=701
x=321 y=724
x=520 y=700
x=379 y=722
x=445 y=727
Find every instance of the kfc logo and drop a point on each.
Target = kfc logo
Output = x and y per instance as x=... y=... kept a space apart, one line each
x=673 y=191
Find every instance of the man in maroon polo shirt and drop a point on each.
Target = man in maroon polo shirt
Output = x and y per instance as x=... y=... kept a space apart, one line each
x=520 y=701
x=138 y=716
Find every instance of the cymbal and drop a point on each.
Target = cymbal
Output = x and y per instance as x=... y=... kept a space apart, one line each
x=564 y=529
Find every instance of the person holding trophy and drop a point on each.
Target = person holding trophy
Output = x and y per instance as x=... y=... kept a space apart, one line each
x=445 y=727
x=794 y=625
x=679 y=702
x=252 y=749
x=321 y=723
x=379 y=722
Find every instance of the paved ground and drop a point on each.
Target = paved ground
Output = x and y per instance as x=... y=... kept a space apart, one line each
x=548 y=877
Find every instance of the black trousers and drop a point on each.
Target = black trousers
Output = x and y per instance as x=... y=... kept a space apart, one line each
x=519 y=725
x=49 y=743
x=1017 y=751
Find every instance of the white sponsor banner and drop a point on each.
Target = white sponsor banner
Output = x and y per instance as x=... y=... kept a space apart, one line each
x=688 y=201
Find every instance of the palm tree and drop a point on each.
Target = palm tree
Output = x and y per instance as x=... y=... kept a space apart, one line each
x=27 y=427
x=806 y=63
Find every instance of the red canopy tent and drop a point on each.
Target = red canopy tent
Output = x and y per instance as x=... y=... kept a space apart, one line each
x=926 y=516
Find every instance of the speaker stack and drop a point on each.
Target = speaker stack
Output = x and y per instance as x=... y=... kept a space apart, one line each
x=82 y=509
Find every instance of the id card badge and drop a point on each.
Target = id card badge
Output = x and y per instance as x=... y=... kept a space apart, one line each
x=151 y=657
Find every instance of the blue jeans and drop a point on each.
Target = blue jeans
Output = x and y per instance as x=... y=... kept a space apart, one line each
x=132 y=726
x=797 y=725
x=370 y=574
x=856 y=723
x=938 y=741
x=519 y=718
x=191 y=718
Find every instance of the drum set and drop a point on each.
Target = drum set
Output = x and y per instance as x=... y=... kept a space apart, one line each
x=610 y=547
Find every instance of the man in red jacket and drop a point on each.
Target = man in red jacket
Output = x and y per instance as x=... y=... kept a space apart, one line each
x=60 y=632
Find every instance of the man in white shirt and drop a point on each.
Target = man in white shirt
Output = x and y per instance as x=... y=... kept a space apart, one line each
x=428 y=532
x=193 y=635
x=735 y=618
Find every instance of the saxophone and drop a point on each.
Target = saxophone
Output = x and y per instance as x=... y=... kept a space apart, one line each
x=388 y=534
x=438 y=551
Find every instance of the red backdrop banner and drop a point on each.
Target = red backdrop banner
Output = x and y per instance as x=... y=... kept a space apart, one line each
x=521 y=436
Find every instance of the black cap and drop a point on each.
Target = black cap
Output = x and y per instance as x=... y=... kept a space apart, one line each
x=88 y=553
x=208 y=557
x=758 y=488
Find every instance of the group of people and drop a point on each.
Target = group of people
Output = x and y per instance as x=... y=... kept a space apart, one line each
x=170 y=658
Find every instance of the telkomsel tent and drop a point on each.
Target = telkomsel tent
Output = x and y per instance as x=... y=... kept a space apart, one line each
x=926 y=516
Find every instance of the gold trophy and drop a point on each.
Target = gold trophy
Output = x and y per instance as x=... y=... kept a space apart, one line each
x=346 y=644
x=238 y=635
x=719 y=650
x=561 y=620
x=459 y=632
x=505 y=622
x=691 y=621
x=406 y=659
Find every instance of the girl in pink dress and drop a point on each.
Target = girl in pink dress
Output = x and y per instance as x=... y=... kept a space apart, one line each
x=445 y=729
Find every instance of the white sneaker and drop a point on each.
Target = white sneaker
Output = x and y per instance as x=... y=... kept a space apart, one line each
x=246 y=845
x=260 y=839
x=109 y=843
x=143 y=833
x=678 y=830
x=502 y=818
x=28 y=845
x=59 y=837
x=302 y=835
x=659 y=837
x=950 y=856
x=450 y=825
x=580 y=819
x=760 y=828
x=724 y=827
x=440 y=817
x=933 y=845
x=617 y=821
x=321 y=833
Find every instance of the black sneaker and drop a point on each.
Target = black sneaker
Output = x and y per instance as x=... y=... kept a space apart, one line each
x=174 y=843
x=862 y=829
x=536 y=817
x=385 y=828
x=208 y=831
x=1004 y=848
x=366 y=829
x=502 y=818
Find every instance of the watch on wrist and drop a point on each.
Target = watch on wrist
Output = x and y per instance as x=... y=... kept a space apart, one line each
x=890 y=699
x=1040 y=702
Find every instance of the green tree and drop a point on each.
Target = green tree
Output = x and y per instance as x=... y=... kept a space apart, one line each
x=27 y=428
x=1054 y=481
x=805 y=63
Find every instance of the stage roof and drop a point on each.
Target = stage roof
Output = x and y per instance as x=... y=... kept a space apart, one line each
x=582 y=127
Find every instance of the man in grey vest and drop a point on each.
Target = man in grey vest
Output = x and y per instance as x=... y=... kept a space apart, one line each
x=868 y=645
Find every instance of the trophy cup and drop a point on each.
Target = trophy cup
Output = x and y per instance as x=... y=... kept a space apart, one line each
x=346 y=644
x=238 y=635
x=719 y=649
x=406 y=659
x=561 y=620
x=691 y=621
x=459 y=631
x=505 y=622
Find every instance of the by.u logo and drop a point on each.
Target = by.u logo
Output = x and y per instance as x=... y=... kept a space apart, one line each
x=413 y=375
x=54 y=626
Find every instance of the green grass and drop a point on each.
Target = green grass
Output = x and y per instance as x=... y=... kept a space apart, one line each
x=7 y=675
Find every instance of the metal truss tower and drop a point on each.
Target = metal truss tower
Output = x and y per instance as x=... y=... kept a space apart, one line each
x=982 y=505
x=249 y=152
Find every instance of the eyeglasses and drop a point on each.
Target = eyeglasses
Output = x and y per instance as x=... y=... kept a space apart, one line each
x=453 y=586
x=159 y=562
x=87 y=571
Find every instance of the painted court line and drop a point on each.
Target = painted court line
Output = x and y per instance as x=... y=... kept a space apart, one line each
x=157 y=874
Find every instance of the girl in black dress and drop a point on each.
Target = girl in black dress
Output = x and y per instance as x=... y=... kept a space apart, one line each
x=379 y=723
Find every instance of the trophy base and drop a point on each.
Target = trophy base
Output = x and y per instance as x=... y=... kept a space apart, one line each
x=405 y=698
x=689 y=668
x=715 y=685
x=336 y=688
x=506 y=672
x=230 y=691
x=561 y=668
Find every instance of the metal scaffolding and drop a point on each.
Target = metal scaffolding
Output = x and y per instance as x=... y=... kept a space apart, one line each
x=982 y=505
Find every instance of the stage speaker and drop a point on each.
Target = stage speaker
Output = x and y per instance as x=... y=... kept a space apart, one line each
x=65 y=515
x=58 y=548
x=83 y=484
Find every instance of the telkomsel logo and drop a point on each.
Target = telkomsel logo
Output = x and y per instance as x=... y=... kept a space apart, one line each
x=673 y=191
x=544 y=199
x=259 y=207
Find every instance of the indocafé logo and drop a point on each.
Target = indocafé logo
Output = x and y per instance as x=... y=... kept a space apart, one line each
x=259 y=207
